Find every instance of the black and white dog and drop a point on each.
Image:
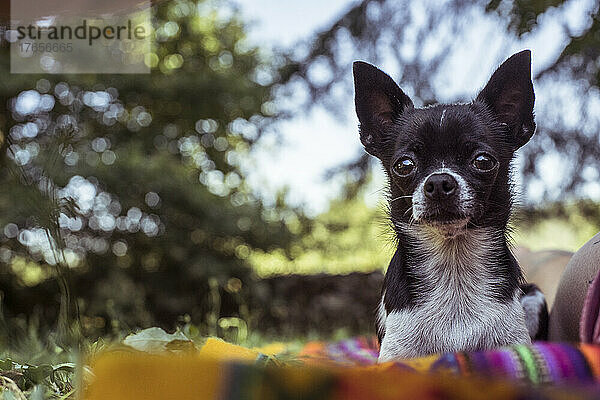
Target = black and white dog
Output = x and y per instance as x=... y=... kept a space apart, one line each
x=453 y=283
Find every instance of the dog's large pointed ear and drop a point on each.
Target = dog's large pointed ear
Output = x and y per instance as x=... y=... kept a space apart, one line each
x=378 y=102
x=509 y=94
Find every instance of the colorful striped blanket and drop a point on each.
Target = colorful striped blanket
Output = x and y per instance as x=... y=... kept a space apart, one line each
x=347 y=369
x=539 y=363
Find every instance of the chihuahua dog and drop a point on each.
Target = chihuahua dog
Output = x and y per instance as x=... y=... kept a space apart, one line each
x=453 y=283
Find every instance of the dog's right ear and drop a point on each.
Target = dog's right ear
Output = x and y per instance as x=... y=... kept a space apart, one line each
x=378 y=102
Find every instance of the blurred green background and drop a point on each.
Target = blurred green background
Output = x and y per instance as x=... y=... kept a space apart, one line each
x=130 y=201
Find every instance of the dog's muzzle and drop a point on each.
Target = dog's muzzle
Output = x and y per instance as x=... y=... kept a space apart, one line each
x=442 y=199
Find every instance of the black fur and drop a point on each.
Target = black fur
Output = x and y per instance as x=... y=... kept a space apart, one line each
x=530 y=289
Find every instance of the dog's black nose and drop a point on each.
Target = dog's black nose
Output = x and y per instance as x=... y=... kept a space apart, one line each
x=440 y=186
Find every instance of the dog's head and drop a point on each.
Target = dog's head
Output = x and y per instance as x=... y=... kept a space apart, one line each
x=448 y=165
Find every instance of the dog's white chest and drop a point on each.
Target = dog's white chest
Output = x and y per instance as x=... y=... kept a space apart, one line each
x=457 y=314
x=433 y=328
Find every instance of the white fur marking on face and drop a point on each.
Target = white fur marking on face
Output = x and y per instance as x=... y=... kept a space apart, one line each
x=465 y=193
x=442 y=117
x=458 y=314
x=532 y=304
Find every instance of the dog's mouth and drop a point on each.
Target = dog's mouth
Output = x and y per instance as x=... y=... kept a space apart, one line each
x=444 y=218
x=443 y=215
x=451 y=225
x=448 y=228
x=447 y=222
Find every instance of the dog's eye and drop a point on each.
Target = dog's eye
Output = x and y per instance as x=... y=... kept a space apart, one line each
x=484 y=162
x=404 y=167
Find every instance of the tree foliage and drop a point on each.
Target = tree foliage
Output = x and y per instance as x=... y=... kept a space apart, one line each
x=138 y=178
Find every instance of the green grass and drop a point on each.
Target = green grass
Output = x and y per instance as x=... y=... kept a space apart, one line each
x=35 y=370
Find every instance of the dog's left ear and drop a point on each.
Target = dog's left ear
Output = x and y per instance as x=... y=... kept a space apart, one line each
x=509 y=94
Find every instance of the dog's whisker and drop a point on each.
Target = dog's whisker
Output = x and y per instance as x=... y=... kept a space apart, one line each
x=400 y=197
x=412 y=220
x=377 y=191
